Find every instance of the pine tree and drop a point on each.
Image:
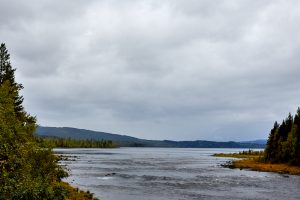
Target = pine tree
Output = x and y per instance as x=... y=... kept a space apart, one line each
x=289 y=123
x=7 y=74
x=27 y=171
x=270 y=147
x=297 y=117
x=283 y=145
x=297 y=150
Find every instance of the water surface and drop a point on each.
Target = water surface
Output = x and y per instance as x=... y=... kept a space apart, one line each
x=171 y=173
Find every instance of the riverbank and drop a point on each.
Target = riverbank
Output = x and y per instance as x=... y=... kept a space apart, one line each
x=254 y=162
x=75 y=193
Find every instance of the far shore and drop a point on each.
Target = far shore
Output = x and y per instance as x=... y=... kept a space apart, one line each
x=253 y=162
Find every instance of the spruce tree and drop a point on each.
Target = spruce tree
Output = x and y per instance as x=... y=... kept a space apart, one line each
x=289 y=123
x=7 y=74
x=27 y=171
x=297 y=150
x=270 y=147
x=283 y=145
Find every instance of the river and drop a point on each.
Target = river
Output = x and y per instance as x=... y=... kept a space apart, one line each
x=171 y=174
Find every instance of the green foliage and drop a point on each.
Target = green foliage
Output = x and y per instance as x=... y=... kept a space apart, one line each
x=73 y=143
x=7 y=75
x=250 y=154
x=27 y=170
x=283 y=145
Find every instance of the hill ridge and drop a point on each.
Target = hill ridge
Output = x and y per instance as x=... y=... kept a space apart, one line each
x=129 y=141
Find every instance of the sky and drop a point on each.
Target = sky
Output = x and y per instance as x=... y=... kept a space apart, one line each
x=173 y=69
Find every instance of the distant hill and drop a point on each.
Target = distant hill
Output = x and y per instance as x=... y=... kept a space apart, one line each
x=127 y=141
x=67 y=132
x=262 y=141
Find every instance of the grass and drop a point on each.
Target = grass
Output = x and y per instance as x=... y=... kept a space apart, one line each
x=266 y=167
x=250 y=154
x=253 y=160
x=76 y=194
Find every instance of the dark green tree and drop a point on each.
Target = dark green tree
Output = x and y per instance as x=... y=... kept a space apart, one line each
x=271 y=144
x=27 y=171
x=289 y=123
x=283 y=145
x=7 y=73
x=297 y=150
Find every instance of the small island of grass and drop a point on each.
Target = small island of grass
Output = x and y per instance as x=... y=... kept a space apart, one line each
x=254 y=161
x=282 y=152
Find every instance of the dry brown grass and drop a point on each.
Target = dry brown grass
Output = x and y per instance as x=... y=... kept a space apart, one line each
x=236 y=155
x=253 y=161
x=266 y=167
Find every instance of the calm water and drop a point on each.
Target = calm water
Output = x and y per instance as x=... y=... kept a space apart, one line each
x=171 y=174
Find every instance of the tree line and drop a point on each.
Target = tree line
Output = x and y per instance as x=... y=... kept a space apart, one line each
x=54 y=142
x=27 y=170
x=283 y=144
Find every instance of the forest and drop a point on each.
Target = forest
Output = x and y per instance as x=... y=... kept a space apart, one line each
x=283 y=145
x=54 y=142
x=27 y=170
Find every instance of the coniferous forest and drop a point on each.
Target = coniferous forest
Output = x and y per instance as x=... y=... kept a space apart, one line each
x=27 y=170
x=283 y=145
x=73 y=143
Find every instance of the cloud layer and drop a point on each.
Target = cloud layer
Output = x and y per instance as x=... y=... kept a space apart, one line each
x=184 y=70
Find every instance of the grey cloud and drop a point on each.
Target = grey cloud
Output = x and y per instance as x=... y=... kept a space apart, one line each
x=222 y=70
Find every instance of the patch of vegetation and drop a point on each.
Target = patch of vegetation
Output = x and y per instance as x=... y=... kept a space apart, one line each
x=257 y=165
x=76 y=194
x=283 y=145
x=254 y=160
x=250 y=154
x=74 y=143
x=27 y=170
x=282 y=153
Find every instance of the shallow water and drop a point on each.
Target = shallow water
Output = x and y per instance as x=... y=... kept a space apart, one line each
x=171 y=173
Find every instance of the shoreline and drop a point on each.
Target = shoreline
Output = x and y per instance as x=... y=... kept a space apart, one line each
x=252 y=162
x=76 y=193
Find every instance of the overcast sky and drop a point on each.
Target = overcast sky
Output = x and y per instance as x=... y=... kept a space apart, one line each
x=180 y=70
